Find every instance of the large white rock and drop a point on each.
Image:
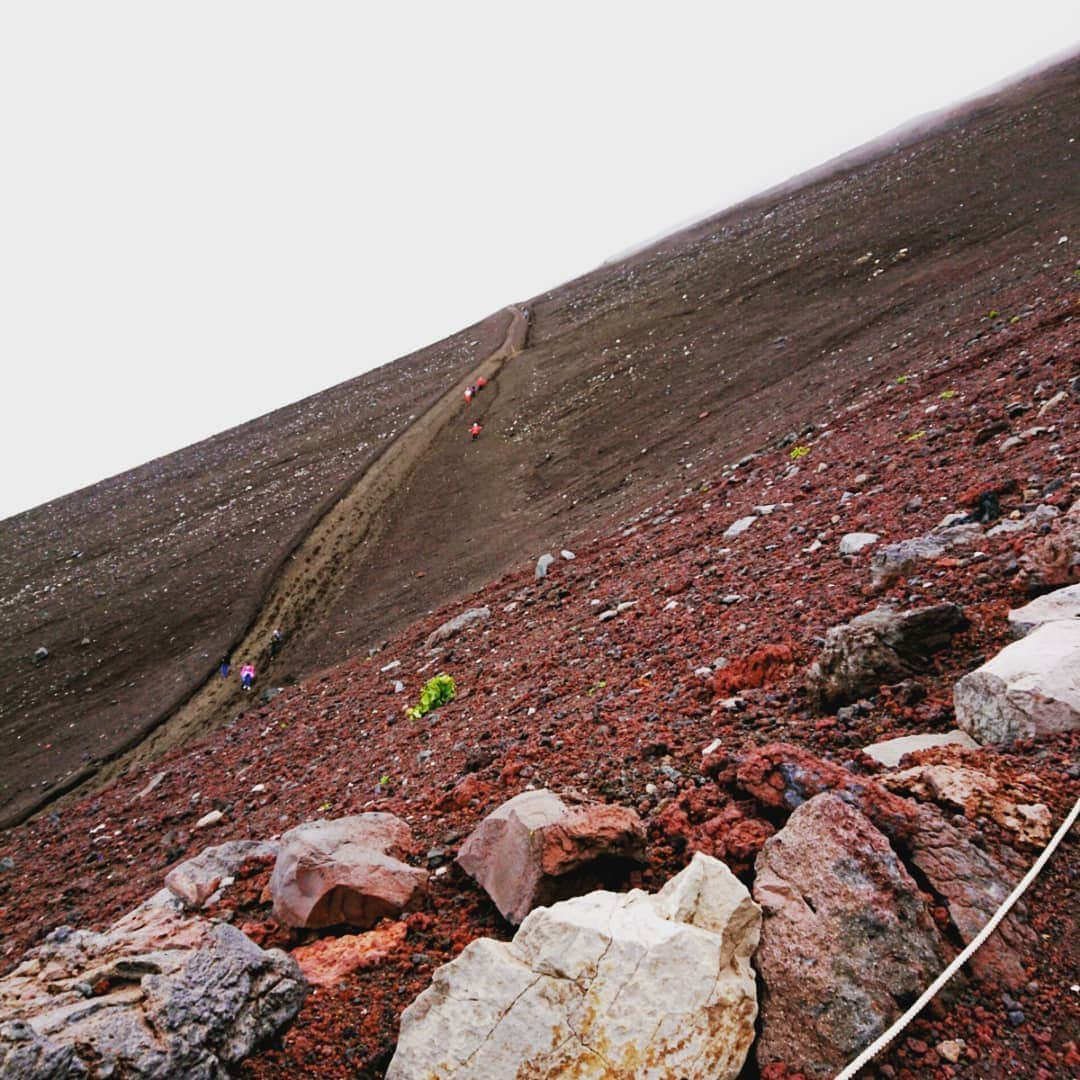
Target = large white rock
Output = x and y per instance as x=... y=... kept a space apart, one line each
x=1059 y=604
x=608 y=984
x=1031 y=688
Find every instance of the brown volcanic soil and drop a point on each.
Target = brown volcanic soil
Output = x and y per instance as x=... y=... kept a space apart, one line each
x=693 y=352
x=547 y=694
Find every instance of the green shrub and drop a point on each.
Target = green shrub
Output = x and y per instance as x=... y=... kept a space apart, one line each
x=947 y=395
x=797 y=452
x=437 y=691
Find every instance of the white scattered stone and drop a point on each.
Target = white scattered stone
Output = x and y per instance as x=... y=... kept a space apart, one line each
x=853 y=543
x=542 y=565
x=890 y=751
x=155 y=780
x=258 y=789
x=740 y=526
x=1030 y=688
x=394 y=663
x=568 y=555
x=627 y=983
x=209 y=819
x=712 y=747
x=399 y=687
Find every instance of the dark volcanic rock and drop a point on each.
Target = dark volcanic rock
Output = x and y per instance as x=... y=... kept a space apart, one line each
x=883 y=646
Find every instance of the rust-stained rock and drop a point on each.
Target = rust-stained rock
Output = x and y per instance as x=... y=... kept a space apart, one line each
x=327 y=961
x=530 y=850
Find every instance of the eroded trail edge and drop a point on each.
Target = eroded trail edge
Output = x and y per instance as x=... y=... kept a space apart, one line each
x=308 y=577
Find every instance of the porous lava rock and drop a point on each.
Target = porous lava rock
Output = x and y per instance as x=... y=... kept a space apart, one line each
x=602 y=985
x=532 y=849
x=846 y=940
x=976 y=793
x=160 y=993
x=326 y=961
x=196 y=879
x=879 y=647
x=1029 y=689
x=345 y=871
x=762 y=667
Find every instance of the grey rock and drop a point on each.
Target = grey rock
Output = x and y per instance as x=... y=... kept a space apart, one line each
x=542 y=565
x=1029 y=689
x=737 y=528
x=194 y=880
x=41 y=654
x=184 y=997
x=454 y=626
x=880 y=647
x=1051 y=607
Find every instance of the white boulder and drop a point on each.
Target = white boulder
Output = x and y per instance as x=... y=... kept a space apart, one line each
x=1059 y=604
x=607 y=984
x=890 y=751
x=1031 y=688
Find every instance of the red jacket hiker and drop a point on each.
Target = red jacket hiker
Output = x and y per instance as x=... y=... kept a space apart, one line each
x=475 y=430
x=481 y=382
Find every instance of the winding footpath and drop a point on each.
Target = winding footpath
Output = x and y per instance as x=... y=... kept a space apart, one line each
x=300 y=593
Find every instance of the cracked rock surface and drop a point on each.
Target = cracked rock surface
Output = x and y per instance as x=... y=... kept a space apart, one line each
x=158 y=994
x=603 y=985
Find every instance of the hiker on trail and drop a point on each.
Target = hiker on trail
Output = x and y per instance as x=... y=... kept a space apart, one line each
x=224 y=666
x=475 y=430
x=247 y=676
x=276 y=639
x=481 y=382
x=470 y=393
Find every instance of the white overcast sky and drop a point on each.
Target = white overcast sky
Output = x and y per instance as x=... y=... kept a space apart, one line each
x=210 y=209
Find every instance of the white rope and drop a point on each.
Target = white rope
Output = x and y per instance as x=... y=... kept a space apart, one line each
x=883 y=1040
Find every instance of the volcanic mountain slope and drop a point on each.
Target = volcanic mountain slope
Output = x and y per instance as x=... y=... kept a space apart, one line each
x=620 y=708
x=690 y=353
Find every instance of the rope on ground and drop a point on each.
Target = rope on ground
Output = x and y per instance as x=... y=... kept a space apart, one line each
x=931 y=991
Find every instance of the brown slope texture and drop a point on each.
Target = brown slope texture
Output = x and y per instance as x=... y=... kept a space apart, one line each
x=137 y=585
x=620 y=709
x=647 y=373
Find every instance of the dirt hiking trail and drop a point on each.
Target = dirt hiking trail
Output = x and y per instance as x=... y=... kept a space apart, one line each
x=338 y=545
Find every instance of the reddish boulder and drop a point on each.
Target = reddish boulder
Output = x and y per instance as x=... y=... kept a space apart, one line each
x=345 y=871
x=846 y=942
x=970 y=880
x=537 y=848
x=196 y=879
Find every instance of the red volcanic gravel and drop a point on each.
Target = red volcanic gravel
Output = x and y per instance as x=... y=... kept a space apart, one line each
x=621 y=709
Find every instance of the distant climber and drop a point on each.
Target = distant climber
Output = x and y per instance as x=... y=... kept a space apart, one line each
x=481 y=382
x=470 y=393
x=247 y=676
x=224 y=666
x=475 y=430
x=276 y=641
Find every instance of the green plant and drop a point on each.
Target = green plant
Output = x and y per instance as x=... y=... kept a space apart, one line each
x=946 y=395
x=437 y=691
x=901 y=379
x=797 y=452
x=993 y=313
x=915 y=435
